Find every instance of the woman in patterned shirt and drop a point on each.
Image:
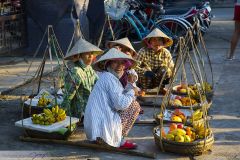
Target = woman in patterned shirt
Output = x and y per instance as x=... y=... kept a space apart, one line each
x=154 y=60
x=80 y=77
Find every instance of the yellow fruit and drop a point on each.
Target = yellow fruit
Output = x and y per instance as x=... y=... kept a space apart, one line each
x=178 y=131
x=170 y=136
x=183 y=91
x=176 y=119
x=56 y=109
x=53 y=109
x=47 y=111
x=187 y=138
x=177 y=102
x=179 y=138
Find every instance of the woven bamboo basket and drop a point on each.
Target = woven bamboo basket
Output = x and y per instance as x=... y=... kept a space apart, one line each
x=197 y=147
x=158 y=119
x=45 y=135
x=194 y=107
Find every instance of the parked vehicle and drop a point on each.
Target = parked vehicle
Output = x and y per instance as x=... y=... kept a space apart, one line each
x=130 y=24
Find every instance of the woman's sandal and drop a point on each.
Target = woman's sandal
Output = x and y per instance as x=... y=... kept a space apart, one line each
x=128 y=145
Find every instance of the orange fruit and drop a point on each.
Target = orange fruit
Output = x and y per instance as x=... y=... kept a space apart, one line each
x=189 y=132
x=173 y=126
x=188 y=129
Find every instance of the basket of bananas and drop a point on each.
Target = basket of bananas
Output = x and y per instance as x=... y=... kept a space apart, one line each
x=177 y=138
x=36 y=104
x=48 y=118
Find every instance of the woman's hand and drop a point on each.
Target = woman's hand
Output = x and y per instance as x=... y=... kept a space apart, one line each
x=136 y=90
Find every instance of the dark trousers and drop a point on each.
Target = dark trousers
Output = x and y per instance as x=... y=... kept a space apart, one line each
x=95 y=29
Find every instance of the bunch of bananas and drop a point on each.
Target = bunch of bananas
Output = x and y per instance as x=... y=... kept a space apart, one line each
x=200 y=130
x=58 y=113
x=207 y=87
x=49 y=117
x=43 y=119
x=197 y=115
x=43 y=102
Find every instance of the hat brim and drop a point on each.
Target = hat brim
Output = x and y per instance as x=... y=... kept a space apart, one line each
x=167 y=41
x=111 y=44
x=93 y=52
x=101 y=65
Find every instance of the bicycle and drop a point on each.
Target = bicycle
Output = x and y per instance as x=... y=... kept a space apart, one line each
x=132 y=27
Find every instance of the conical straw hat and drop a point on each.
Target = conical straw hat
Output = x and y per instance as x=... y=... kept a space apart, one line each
x=124 y=41
x=112 y=54
x=82 y=46
x=157 y=33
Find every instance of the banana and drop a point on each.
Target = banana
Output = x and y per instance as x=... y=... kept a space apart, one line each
x=53 y=109
x=47 y=111
x=56 y=109
x=61 y=112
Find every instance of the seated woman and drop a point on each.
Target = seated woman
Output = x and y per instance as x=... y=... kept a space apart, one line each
x=108 y=116
x=155 y=61
x=80 y=78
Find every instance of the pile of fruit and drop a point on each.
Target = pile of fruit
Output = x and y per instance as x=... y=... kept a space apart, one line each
x=49 y=117
x=194 y=90
x=178 y=116
x=43 y=101
x=179 y=133
x=183 y=101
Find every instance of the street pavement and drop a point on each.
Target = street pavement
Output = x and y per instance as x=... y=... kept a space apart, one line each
x=224 y=113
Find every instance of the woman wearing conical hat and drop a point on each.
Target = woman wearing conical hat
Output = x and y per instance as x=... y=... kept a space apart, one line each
x=125 y=46
x=155 y=60
x=102 y=118
x=80 y=78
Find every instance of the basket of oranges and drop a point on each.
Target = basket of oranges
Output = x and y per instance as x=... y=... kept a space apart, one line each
x=177 y=138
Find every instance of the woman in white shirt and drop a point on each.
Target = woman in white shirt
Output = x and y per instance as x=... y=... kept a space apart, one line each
x=107 y=99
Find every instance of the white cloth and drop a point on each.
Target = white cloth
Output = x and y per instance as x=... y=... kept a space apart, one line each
x=133 y=72
x=101 y=117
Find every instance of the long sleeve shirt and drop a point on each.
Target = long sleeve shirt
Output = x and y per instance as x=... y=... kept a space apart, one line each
x=154 y=60
x=101 y=118
x=78 y=87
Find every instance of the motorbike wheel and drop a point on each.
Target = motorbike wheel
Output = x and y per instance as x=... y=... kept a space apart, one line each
x=173 y=28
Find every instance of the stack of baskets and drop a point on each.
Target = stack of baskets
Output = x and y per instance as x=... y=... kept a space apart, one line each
x=174 y=133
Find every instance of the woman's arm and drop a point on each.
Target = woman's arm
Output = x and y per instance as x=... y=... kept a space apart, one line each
x=71 y=86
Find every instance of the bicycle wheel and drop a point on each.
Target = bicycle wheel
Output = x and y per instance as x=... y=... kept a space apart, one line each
x=114 y=30
x=173 y=28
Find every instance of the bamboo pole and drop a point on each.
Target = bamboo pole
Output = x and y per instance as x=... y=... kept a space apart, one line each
x=144 y=122
x=91 y=146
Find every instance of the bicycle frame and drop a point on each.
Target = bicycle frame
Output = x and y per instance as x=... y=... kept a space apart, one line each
x=140 y=29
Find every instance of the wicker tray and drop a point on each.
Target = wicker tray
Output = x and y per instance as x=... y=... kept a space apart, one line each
x=193 y=148
x=45 y=135
x=209 y=95
x=194 y=107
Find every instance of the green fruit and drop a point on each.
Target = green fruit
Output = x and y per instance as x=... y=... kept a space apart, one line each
x=170 y=136
x=187 y=138
x=179 y=138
